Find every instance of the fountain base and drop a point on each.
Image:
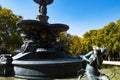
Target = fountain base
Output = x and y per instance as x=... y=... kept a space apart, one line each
x=57 y=68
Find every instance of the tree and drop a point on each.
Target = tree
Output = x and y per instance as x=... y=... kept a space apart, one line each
x=72 y=44
x=0 y=7
x=108 y=36
x=8 y=30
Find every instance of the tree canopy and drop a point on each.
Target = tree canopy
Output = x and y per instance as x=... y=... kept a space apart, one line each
x=108 y=36
x=8 y=33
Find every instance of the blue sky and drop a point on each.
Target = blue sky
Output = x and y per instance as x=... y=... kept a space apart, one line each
x=80 y=15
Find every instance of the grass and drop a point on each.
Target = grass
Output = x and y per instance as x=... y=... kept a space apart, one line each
x=112 y=71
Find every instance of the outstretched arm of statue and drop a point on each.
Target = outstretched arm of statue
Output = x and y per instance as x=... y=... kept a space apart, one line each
x=86 y=57
x=103 y=50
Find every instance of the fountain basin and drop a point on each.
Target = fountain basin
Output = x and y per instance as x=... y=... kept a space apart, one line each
x=54 y=68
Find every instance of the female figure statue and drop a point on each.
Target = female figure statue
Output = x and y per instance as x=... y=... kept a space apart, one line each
x=94 y=61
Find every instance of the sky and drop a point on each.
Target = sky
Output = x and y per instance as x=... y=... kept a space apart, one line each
x=80 y=15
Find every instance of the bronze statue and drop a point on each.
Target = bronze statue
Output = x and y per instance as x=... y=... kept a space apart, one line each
x=94 y=61
x=42 y=8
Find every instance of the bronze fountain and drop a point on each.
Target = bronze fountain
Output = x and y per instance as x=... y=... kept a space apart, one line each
x=41 y=56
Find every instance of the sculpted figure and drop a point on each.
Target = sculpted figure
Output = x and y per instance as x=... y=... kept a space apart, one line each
x=94 y=61
x=42 y=8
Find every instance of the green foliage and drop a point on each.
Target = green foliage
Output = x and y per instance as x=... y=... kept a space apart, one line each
x=72 y=43
x=0 y=7
x=8 y=33
x=108 y=36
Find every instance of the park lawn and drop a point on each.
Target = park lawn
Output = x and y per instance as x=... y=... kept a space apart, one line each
x=112 y=71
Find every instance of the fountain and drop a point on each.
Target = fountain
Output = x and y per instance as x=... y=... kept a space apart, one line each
x=41 y=56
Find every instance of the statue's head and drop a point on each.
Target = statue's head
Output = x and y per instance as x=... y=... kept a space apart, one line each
x=96 y=50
